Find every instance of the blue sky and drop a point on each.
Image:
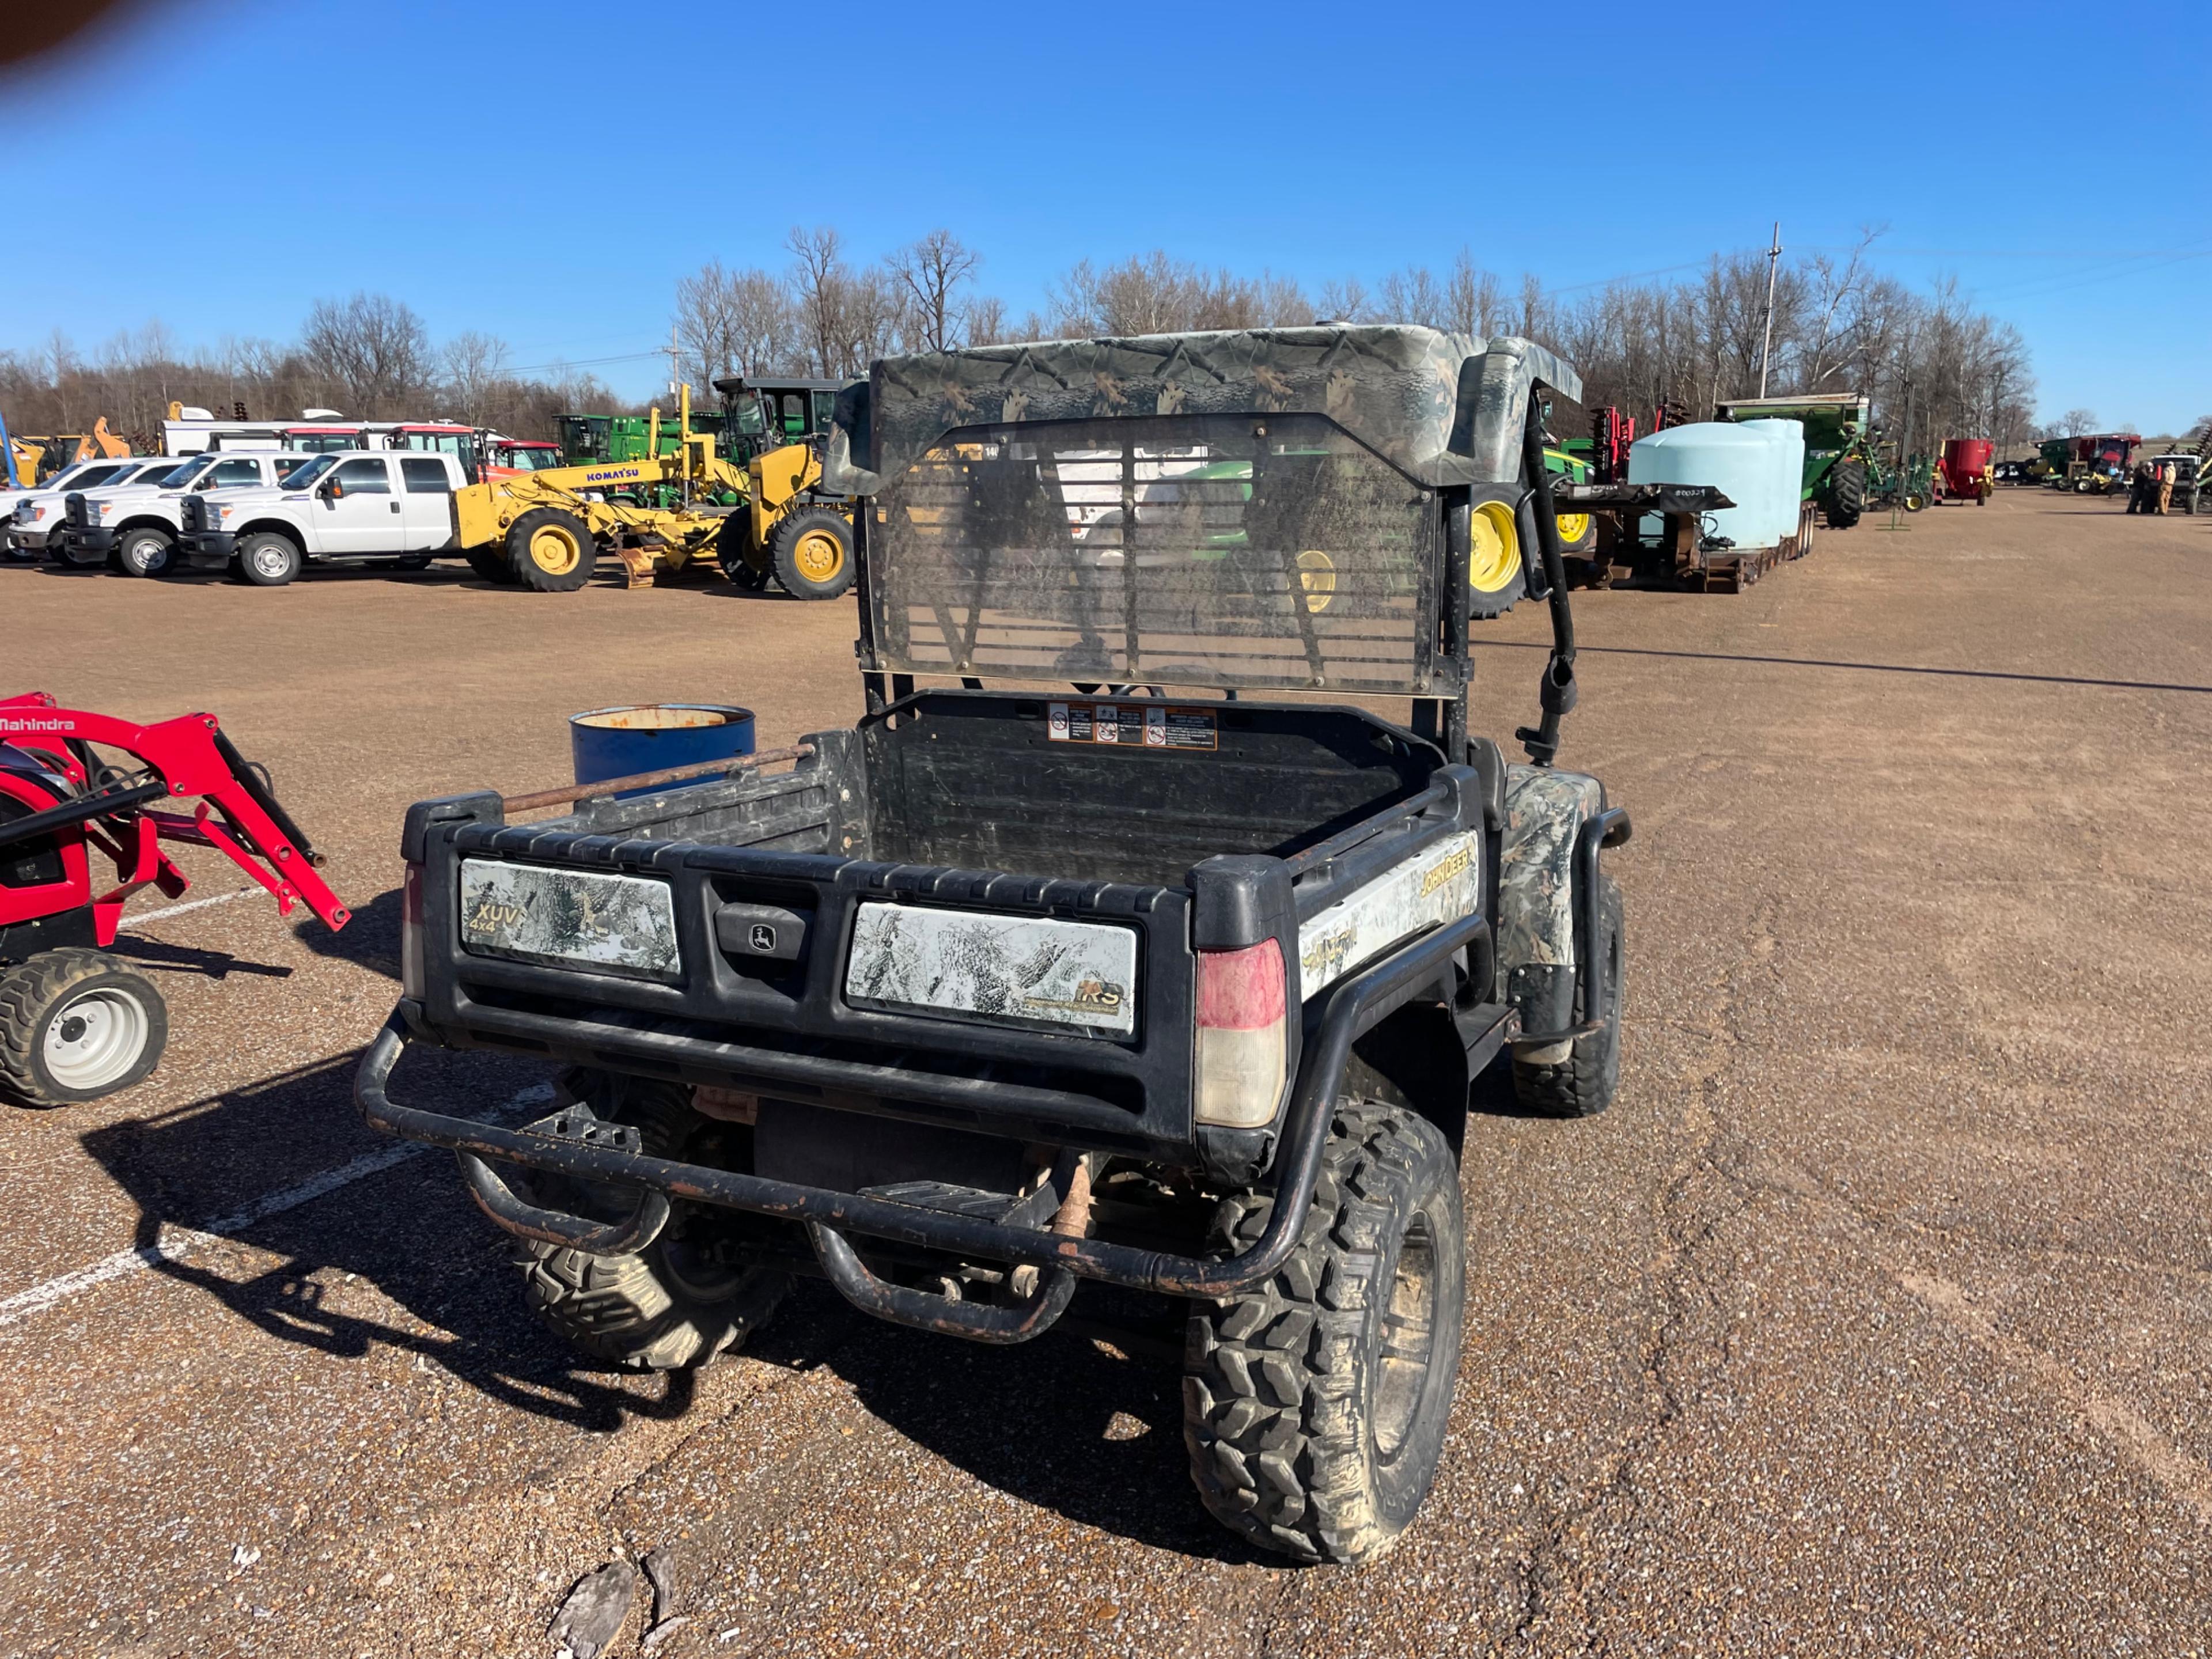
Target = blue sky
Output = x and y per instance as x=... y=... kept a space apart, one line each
x=467 y=143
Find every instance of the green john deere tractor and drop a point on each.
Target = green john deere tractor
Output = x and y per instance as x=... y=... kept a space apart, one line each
x=1839 y=461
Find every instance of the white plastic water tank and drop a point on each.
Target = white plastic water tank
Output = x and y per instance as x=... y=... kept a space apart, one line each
x=1740 y=463
x=1790 y=471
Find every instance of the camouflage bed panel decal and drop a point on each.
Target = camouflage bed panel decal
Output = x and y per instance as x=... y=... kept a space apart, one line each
x=618 y=924
x=1018 y=970
x=1441 y=885
x=1544 y=809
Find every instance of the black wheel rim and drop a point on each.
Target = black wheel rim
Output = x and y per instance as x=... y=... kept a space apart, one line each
x=1407 y=1350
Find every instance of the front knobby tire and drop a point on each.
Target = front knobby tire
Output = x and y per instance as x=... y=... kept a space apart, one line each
x=1315 y=1405
x=1581 y=1084
x=686 y=1297
x=74 y=1027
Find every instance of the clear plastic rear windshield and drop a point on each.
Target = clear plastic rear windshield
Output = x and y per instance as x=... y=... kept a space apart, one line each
x=1207 y=550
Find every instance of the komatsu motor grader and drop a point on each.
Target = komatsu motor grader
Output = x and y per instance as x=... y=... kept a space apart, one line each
x=661 y=514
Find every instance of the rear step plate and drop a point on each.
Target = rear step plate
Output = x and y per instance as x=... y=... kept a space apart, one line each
x=611 y=924
x=1032 y=971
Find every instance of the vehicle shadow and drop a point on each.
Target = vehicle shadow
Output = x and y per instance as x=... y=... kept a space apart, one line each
x=1059 y=1422
x=369 y=939
x=283 y=1166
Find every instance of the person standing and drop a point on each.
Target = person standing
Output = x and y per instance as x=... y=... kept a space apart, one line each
x=2139 y=489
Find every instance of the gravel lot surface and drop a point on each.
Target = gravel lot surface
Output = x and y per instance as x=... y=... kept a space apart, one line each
x=1875 y=1318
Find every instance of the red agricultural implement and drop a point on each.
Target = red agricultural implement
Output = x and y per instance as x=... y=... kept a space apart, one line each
x=75 y=1025
x=1962 y=472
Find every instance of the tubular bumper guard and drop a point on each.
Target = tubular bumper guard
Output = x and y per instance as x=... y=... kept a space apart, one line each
x=1352 y=1006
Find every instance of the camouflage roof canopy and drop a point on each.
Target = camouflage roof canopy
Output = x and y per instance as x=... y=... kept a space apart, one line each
x=1442 y=408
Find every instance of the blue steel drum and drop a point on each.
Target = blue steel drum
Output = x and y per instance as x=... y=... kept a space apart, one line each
x=619 y=743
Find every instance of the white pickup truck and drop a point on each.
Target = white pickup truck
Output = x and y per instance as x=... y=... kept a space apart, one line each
x=395 y=504
x=37 y=520
x=76 y=475
x=134 y=529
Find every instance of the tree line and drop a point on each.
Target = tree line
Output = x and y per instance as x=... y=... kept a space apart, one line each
x=1934 y=364
x=370 y=357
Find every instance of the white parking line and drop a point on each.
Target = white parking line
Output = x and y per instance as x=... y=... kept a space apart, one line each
x=189 y=904
x=177 y=1243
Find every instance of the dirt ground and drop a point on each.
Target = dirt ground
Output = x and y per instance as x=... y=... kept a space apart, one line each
x=1875 y=1316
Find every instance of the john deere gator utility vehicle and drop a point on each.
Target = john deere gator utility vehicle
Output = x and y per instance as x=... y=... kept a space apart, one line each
x=1091 y=974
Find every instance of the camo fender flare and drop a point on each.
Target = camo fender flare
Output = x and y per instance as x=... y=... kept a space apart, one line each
x=1544 y=810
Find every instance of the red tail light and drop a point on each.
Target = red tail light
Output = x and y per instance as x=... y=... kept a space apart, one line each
x=1242 y=1039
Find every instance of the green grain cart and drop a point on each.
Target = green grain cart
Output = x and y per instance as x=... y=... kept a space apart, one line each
x=1837 y=436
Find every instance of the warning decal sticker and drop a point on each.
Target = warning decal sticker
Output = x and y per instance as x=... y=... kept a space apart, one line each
x=1138 y=725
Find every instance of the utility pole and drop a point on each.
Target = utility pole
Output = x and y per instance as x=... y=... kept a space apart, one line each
x=674 y=373
x=1767 y=327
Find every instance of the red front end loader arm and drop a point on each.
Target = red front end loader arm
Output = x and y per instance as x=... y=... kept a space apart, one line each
x=75 y=1023
x=237 y=812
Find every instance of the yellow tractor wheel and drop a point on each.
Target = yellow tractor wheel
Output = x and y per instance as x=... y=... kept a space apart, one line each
x=1578 y=532
x=1317 y=579
x=813 y=554
x=550 y=551
x=1493 y=558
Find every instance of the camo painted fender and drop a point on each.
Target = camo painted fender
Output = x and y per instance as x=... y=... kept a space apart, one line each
x=1544 y=809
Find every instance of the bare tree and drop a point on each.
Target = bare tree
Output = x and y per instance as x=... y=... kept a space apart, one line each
x=1474 y=300
x=2077 y=422
x=735 y=322
x=372 y=347
x=930 y=274
x=475 y=364
x=983 y=320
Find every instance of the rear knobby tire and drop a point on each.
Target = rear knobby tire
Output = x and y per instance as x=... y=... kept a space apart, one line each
x=683 y=1299
x=735 y=552
x=74 y=1027
x=812 y=552
x=1582 y=1084
x=550 y=551
x=1846 y=494
x=1315 y=1405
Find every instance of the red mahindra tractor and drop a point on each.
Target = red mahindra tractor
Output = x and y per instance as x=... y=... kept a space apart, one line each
x=75 y=1025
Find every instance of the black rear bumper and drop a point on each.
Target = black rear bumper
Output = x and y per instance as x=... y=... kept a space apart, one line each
x=1421 y=968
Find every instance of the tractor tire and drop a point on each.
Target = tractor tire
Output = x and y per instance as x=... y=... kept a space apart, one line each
x=1582 y=1084
x=733 y=552
x=1315 y=1405
x=813 y=554
x=688 y=1296
x=490 y=563
x=146 y=552
x=1846 y=494
x=74 y=1027
x=550 y=551
x=269 y=558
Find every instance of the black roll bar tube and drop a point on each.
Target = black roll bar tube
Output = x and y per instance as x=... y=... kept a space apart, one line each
x=1556 y=692
x=1351 y=1005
